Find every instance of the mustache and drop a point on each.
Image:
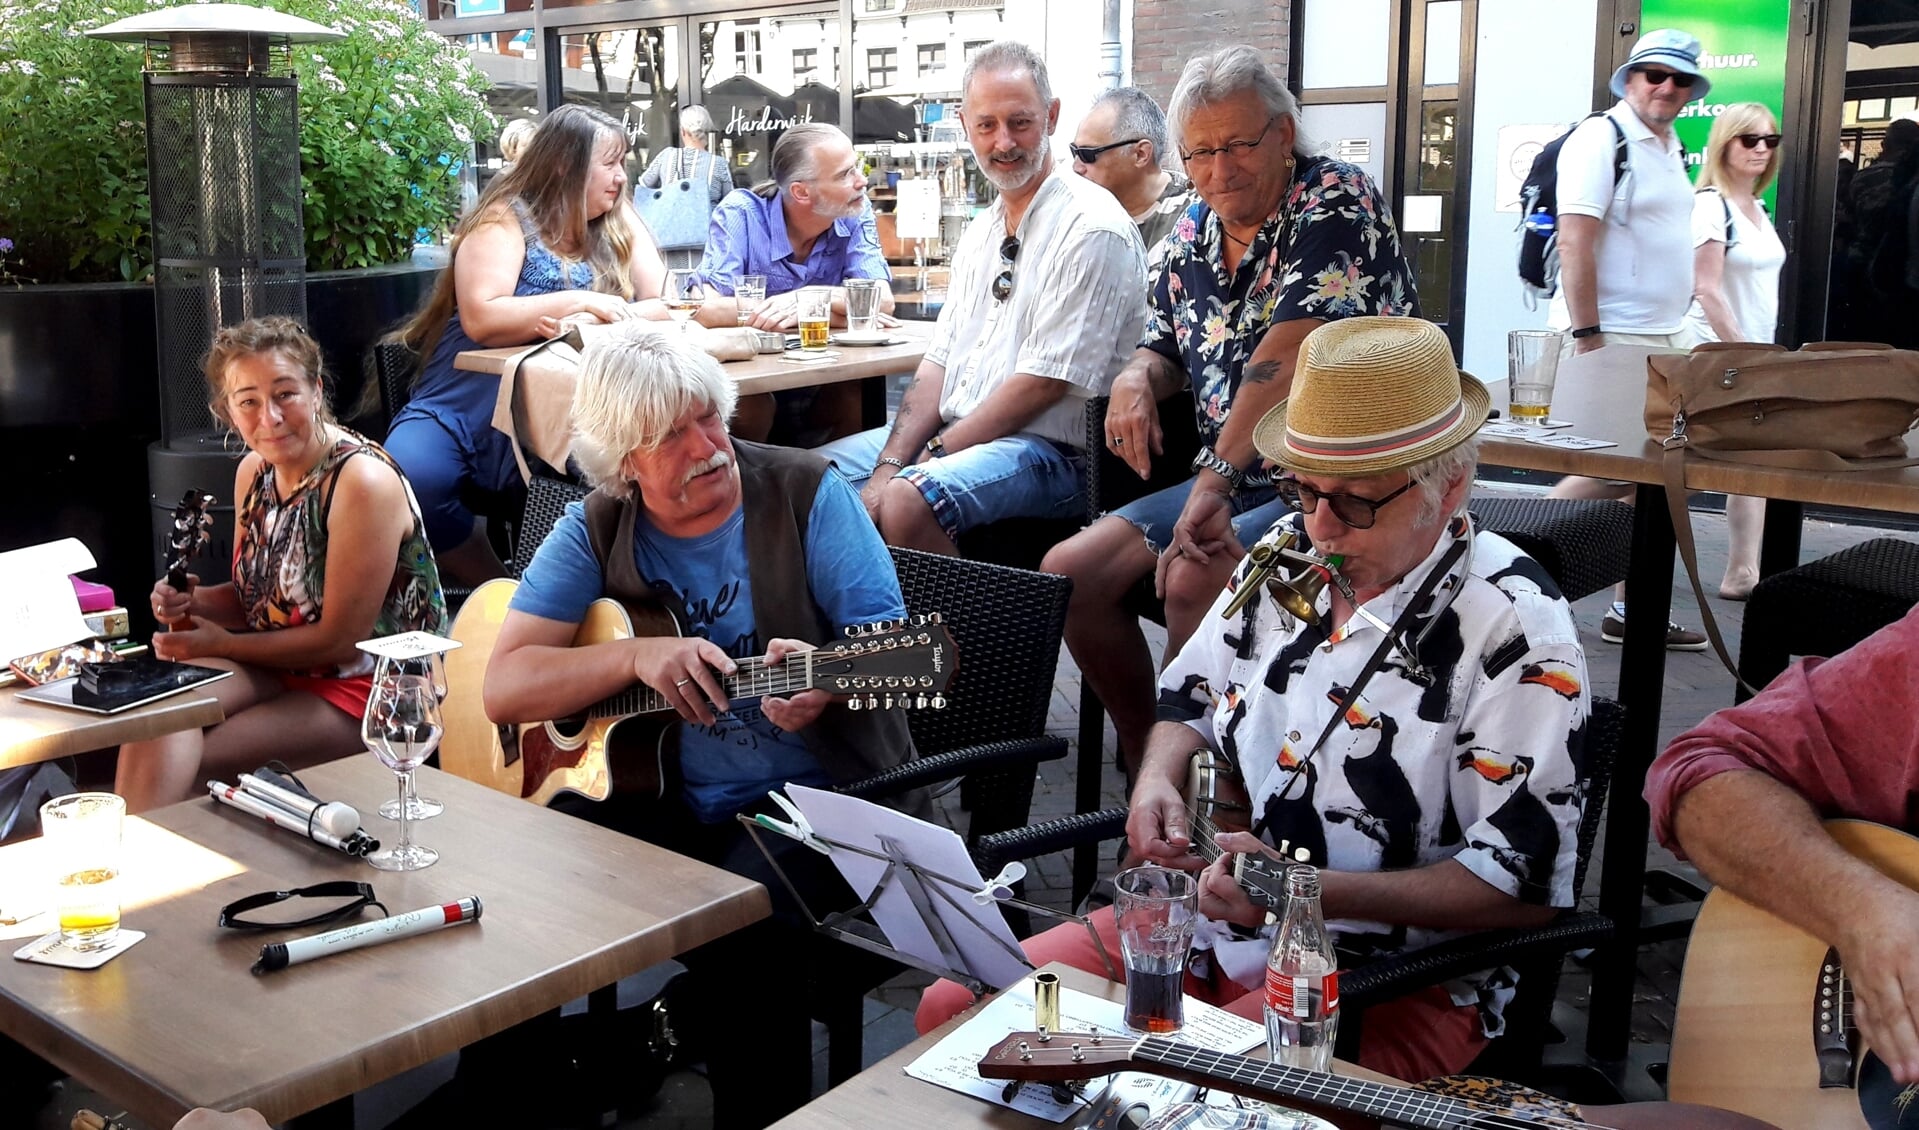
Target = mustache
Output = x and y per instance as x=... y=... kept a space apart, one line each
x=718 y=460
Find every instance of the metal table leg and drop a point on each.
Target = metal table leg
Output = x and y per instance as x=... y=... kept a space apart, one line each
x=1642 y=679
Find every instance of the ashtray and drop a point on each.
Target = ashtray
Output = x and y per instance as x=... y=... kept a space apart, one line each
x=769 y=342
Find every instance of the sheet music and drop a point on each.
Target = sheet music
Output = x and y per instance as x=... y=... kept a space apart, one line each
x=972 y=927
x=38 y=608
x=953 y=1063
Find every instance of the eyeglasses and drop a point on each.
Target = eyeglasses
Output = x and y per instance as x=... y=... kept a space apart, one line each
x=1003 y=285
x=1654 y=76
x=1234 y=149
x=1354 y=511
x=1752 y=140
x=361 y=895
x=1087 y=154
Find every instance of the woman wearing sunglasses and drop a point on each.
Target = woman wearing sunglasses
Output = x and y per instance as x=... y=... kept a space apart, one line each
x=1736 y=261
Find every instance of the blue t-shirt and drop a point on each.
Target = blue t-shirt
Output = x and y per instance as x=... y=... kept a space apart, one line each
x=731 y=764
x=747 y=236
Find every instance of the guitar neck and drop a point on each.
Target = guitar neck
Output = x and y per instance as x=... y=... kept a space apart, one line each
x=755 y=677
x=1258 y=1078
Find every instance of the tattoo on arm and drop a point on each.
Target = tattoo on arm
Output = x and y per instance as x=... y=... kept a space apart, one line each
x=1260 y=372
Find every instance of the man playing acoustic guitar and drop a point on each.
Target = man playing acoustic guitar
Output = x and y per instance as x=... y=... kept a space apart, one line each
x=754 y=549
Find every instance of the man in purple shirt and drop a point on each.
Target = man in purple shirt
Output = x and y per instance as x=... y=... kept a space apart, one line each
x=810 y=225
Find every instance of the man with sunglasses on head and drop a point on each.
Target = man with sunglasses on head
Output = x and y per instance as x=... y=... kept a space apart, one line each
x=1048 y=295
x=1119 y=146
x=1282 y=239
x=1625 y=245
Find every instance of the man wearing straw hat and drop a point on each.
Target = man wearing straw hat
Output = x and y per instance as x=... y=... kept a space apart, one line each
x=1438 y=798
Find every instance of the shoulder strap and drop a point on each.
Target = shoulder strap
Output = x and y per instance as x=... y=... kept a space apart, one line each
x=1618 y=150
x=1675 y=468
x=1727 y=231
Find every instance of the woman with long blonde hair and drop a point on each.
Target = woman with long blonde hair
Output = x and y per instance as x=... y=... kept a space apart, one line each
x=553 y=236
x=1735 y=271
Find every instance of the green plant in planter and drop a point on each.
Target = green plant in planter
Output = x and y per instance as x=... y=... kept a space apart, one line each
x=387 y=115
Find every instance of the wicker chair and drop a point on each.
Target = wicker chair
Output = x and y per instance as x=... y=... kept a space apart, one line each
x=1007 y=625
x=1537 y=953
x=1850 y=595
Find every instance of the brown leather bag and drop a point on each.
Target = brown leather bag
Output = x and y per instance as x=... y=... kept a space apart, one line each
x=1829 y=406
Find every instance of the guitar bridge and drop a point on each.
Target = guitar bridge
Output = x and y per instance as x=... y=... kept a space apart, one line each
x=1832 y=1028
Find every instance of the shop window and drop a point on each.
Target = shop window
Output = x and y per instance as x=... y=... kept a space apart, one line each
x=806 y=60
x=746 y=52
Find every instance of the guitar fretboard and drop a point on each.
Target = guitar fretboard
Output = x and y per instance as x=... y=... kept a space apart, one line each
x=753 y=678
x=1401 y=1104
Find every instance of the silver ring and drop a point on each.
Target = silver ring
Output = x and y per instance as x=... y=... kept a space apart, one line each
x=1119 y=441
x=682 y=682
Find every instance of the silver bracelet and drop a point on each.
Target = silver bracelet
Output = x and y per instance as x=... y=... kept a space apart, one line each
x=892 y=461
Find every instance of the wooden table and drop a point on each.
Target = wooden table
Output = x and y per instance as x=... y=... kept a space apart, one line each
x=32 y=732
x=1603 y=394
x=177 y=1021
x=884 y=1095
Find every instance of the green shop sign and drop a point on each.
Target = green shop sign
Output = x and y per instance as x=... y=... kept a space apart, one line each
x=1745 y=57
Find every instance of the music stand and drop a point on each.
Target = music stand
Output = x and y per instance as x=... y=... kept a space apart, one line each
x=917 y=891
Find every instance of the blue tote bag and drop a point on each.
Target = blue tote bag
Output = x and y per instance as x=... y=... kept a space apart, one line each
x=677 y=212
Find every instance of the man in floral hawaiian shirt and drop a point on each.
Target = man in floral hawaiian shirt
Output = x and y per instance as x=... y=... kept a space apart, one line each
x=1281 y=241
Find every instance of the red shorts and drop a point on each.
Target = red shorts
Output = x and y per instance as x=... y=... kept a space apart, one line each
x=349 y=695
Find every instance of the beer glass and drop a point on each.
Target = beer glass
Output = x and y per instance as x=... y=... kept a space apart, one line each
x=748 y=294
x=1532 y=361
x=816 y=314
x=862 y=307
x=83 y=840
x=1157 y=909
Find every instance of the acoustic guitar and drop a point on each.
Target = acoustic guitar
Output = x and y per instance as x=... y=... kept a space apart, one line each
x=1764 y=1024
x=629 y=741
x=1217 y=801
x=1068 y=1056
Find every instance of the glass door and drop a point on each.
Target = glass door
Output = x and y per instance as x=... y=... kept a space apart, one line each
x=633 y=72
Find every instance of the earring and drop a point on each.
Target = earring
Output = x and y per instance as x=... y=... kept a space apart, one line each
x=1289 y=162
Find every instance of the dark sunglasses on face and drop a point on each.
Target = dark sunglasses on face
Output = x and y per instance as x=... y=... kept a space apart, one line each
x=1003 y=285
x=1088 y=154
x=1654 y=76
x=1354 y=511
x=1752 y=140
x=360 y=896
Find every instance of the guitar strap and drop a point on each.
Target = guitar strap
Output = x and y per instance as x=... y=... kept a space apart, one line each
x=1415 y=608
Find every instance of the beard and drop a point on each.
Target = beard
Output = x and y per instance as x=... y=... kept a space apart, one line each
x=850 y=210
x=1012 y=178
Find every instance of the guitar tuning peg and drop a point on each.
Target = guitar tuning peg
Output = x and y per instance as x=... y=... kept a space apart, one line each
x=933 y=617
x=918 y=620
x=939 y=702
x=853 y=703
x=872 y=702
x=850 y=631
x=919 y=702
x=889 y=702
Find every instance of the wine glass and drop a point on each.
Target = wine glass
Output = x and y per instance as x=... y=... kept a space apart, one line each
x=419 y=807
x=682 y=294
x=402 y=727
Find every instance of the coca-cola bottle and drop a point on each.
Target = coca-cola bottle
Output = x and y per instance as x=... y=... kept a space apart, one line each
x=1302 y=979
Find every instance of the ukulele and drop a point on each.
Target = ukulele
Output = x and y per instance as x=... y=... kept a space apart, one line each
x=629 y=741
x=1068 y=1056
x=192 y=524
x=1764 y=1023
x=1217 y=801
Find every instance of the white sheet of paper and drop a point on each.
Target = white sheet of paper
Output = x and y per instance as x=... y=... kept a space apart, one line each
x=38 y=608
x=972 y=927
x=1513 y=431
x=1573 y=443
x=916 y=210
x=953 y=1063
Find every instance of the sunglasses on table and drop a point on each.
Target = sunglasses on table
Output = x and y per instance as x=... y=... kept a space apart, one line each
x=359 y=896
x=1655 y=76
x=1355 y=511
x=1088 y=154
x=1752 y=140
x=1008 y=252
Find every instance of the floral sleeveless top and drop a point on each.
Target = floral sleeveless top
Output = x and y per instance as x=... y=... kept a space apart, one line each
x=279 y=562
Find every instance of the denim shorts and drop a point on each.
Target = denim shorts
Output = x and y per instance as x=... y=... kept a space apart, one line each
x=1017 y=476
x=1255 y=509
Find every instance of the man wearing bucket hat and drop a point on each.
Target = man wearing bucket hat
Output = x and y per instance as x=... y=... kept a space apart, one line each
x=1416 y=740
x=1625 y=247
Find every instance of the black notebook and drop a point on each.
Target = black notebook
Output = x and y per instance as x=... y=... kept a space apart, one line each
x=131 y=683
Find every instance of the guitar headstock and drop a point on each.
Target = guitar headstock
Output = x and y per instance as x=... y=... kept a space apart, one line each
x=1056 y=1057
x=902 y=663
x=192 y=524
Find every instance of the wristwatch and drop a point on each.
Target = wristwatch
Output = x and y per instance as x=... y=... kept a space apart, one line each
x=1587 y=331
x=1209 y=460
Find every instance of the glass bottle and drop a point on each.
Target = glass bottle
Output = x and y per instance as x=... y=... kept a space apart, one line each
x=1302 y=979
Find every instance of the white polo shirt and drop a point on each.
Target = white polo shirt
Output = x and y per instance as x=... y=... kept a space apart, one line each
x=1643 y=257
x=1077 y=308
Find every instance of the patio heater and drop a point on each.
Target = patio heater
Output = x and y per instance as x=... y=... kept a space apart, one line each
x=229 y=243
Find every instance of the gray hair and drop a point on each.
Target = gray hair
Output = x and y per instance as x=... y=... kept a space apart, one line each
x=1228 y=75
x=1008 y=55
x=695 y=119
x=796 y=156
x=1135 y=114
x=1437 y=475
x=635 y=384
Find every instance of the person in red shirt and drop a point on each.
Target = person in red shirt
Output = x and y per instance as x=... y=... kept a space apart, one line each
x=1743 y=793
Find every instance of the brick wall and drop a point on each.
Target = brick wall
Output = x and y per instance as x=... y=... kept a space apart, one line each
x=1166 y=33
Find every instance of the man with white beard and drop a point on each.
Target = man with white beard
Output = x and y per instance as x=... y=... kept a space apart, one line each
x=1046 y=302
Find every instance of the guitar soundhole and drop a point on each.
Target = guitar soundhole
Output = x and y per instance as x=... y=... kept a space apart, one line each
x=569 y=728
